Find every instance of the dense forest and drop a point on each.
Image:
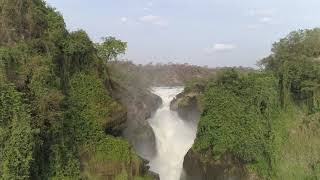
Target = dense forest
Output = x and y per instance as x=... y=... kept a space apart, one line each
x=263 y=124
x=57 y=113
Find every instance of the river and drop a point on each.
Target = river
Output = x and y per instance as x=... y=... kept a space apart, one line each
x=174 y=137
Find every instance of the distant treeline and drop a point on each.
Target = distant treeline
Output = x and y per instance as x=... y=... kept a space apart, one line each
x=169 y=74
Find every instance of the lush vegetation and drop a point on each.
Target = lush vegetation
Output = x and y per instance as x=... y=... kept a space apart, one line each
x=253 y=101
x=295 y=61
x=17 y=136
x=55 y=100
x=267 y=119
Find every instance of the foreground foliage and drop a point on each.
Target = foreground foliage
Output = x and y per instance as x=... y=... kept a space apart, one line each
x=16 y=135
x=55 y=101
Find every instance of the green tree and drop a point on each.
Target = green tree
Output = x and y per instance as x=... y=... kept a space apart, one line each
x=295 y=61
x=79 y=49
x=111 y=48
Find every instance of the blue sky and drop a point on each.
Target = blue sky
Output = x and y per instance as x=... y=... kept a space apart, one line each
x=203 y=32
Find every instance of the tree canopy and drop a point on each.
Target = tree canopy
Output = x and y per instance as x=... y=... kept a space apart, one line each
x=111 y=48
x=295 y=60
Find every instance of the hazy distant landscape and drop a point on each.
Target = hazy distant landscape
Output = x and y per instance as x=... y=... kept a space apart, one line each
x=77 y=106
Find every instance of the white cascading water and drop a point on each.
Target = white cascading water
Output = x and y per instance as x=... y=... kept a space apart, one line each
x=174 y=137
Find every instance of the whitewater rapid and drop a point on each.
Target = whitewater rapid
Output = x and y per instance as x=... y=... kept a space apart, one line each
x=174 y=137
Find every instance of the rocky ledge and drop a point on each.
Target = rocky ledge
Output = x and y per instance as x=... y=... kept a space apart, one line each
x=187 y=106
x=203 y=167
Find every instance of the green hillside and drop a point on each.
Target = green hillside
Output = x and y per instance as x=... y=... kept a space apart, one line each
x=55 y=101
x=268 y=119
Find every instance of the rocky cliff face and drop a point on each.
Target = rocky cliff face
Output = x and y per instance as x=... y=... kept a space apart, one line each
x=116 y=121
x=129 y=120
x=203 y=167
x=139 y=104
x=187 y=106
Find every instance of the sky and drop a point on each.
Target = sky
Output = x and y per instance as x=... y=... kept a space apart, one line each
x=212 y=33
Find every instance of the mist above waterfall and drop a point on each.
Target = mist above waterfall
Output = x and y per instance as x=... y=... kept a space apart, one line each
x=174 y=137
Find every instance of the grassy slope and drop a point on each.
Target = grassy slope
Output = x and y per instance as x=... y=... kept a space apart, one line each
x=298 y=156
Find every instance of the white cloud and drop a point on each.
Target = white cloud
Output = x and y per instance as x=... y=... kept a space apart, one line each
x=265 y=20
x=263 y=17
x=155 y=20
x=124 y=20
x=220 y=47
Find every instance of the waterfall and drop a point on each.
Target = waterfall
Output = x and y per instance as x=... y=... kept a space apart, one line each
x=174 y=137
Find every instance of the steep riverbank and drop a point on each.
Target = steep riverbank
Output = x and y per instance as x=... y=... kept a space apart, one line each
x=244 y=133
x=201 y=166
x=140 y=104
x=198 y=166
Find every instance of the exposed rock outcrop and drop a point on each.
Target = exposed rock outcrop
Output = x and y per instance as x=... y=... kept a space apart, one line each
x=204 y=167
x=116 y=121
x=187 y=106
x=140 y=104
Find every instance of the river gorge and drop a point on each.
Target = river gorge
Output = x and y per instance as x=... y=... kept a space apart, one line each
x=174 y=136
